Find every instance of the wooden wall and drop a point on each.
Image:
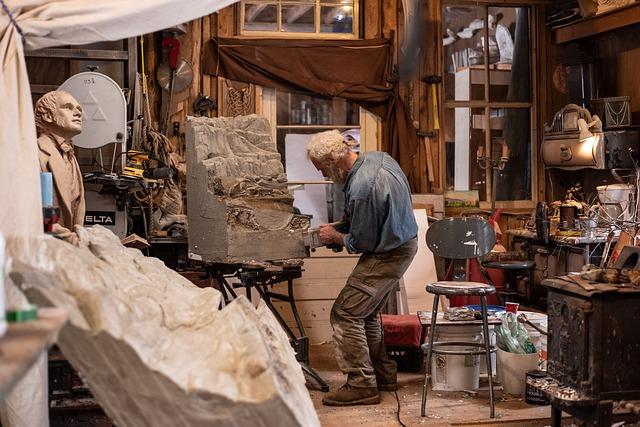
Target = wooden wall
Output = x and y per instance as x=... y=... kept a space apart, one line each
x=381 y=18
x=615 y=55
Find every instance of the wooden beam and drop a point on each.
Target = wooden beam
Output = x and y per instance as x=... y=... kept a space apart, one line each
x=24 y=342
x=597 y=24
x=226 y=21
x=109 y=55
x=41 y=89
x=372 y=18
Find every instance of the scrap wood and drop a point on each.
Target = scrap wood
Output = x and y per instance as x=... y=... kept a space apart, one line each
x=587 y=285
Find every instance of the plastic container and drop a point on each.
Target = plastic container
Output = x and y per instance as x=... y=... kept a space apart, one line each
x=483 y=358
x=619 y=195
x=513 y=368
x=538 y=339
x=491 y=310
x=456 y=372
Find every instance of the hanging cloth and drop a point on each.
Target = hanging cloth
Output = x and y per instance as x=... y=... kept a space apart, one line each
x=356 y=70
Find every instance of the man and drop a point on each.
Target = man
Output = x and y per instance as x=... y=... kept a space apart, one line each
x=58 y=119
x=383 y=229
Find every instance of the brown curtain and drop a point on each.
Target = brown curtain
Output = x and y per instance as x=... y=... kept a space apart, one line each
x=356 y=70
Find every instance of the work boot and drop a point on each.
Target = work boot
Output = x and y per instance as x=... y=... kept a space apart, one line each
x=349 y=396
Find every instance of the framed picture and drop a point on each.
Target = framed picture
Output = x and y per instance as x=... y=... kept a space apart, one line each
x=569 y=120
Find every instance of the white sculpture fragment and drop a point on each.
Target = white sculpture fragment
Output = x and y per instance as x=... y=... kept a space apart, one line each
x=155 y=349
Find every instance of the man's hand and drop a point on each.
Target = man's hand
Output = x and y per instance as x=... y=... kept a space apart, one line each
x=329 y=235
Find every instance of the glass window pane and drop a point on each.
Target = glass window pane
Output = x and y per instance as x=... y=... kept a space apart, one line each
x=336 y=19
x=298 y=18
x=510 y=54
x=304 y=109
x=463 y=52
x=514 y=127
x=462 y=142
x=260 y=17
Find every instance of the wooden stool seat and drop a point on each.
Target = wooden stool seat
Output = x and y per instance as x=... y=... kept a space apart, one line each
x=460 y=288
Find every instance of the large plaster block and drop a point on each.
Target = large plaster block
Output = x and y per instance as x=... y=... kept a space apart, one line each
x=155 y=349
x=239 y=207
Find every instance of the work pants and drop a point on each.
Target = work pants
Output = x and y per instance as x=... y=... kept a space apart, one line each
x=357 y=332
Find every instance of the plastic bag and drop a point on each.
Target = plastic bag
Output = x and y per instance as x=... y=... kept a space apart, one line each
x=511 y=335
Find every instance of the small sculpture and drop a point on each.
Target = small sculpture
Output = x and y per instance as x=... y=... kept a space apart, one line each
x=58 y=118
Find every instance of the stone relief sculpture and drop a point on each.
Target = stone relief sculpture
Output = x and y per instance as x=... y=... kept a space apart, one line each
x=58 y=119
x=239 y=207
x=154 y=348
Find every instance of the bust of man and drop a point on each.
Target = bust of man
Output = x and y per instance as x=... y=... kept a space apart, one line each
x=58 y=118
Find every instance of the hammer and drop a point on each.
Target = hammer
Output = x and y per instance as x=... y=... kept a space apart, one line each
x=433 y=81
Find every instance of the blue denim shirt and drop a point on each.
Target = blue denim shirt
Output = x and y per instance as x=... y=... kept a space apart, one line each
x=378 y=205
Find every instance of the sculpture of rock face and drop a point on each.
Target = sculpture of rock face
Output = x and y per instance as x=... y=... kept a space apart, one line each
x=155 y=349
x=239 y=207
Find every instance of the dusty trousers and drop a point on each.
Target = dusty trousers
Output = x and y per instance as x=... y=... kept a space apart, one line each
x=360 y=349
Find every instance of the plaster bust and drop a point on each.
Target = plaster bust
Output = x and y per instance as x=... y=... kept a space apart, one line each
x=58 y=118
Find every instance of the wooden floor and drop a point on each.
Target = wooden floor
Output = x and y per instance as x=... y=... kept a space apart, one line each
x=444 y=409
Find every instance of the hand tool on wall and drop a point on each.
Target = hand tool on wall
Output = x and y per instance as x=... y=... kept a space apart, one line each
x=427 y=143
x=174 y=74
x=434 y=81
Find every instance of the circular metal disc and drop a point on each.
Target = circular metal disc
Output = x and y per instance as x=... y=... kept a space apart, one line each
x=182 y=78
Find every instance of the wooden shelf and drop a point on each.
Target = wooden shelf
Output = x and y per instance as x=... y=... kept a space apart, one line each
x=107 y=55
x=24 y=342
x=597 y=24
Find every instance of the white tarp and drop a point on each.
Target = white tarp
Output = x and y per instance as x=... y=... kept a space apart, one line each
x=48 y=23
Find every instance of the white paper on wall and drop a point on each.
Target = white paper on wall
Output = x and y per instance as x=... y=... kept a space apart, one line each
x=312 y=198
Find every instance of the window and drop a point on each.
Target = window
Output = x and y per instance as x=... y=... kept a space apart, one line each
x=297 y=116
x=318 y=19
x=488 y=102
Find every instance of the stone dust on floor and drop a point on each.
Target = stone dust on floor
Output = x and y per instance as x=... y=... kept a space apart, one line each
x=443 y=408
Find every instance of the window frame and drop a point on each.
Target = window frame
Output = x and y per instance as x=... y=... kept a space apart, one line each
x=489 y=105
x=354 y=35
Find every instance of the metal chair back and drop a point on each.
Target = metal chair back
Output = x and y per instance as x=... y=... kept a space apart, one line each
x=461 y=237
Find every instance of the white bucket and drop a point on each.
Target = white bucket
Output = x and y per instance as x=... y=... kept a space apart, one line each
x=456 y=372
x=513 y=368
x=483 y=358
x=537 y=339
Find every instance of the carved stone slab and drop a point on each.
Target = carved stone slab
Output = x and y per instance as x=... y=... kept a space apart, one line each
x=239 y=207
x=155 y=349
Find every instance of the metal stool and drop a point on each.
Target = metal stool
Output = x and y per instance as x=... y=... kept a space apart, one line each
x=511 y=268
x=458 y=288
x=459 y=239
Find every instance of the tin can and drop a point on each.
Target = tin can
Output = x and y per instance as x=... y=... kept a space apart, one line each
x=532 y=395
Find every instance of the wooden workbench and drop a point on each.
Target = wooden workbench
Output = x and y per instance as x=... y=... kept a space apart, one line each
x=24 y=342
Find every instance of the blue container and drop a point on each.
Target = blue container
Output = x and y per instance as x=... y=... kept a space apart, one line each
x=491 y=309
x=46 y=188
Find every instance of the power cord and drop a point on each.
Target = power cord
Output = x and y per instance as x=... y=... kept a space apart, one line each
x=398 y=411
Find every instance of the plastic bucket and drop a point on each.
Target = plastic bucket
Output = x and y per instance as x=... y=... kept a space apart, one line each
x=538 y=339
x=491 y=310
x=513 y=368
x=483 y=358
x=456 y=372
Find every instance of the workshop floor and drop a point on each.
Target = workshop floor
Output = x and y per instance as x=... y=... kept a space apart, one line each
x=444 y=409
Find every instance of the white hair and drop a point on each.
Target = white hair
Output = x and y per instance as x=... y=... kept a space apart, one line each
x=327 y=147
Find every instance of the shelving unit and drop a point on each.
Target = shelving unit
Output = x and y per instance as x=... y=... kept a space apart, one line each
x=597 y=24
x=24 y=342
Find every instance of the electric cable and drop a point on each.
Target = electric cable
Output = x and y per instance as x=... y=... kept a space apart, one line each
x=398 y=411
